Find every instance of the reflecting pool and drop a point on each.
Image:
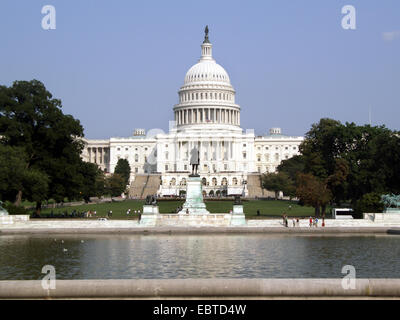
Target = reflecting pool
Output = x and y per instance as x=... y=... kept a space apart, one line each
x=198 y=256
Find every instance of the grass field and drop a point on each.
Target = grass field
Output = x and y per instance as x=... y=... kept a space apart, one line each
x=268 y=208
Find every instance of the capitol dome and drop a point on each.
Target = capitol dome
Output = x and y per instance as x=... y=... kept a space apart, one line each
x=207 y=71
x=207 y=96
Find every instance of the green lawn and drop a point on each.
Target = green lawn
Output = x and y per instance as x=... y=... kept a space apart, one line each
x=267 y=208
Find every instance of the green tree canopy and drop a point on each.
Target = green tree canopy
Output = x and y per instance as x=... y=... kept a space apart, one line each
x=352 y=160
x=276 y=182
x=123 y=169
x=115 y=185
x=32 y=120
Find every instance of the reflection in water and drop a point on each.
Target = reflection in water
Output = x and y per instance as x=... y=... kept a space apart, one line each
x=198 y=256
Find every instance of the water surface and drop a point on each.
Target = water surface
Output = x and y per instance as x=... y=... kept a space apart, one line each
x=198 y=256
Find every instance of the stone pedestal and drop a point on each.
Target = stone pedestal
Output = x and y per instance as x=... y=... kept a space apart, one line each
x=194 y=197
x=238 y=218
x=149 y=215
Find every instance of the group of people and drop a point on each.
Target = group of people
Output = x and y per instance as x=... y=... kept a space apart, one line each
x=313 y=222
x=128 y=212
x=90 y=214
x=295 y=222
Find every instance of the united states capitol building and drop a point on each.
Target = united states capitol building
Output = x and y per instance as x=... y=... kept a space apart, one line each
x=206 y=117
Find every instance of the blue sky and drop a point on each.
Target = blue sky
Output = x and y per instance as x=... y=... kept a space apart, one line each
x=117 y=65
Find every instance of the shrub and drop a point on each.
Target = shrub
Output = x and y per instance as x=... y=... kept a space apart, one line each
x=370 y=203
x=14 y=210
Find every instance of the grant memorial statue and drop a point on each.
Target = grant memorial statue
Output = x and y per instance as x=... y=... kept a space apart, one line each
x=391 y=203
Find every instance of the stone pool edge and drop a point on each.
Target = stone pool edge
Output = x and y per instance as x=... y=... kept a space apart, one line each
x=200 y=288
x=203 y=230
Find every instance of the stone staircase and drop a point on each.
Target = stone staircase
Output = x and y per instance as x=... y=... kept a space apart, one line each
x=144 y=185
x=254 y=187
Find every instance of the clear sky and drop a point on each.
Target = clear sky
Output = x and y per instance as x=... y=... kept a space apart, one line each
x=117 y=65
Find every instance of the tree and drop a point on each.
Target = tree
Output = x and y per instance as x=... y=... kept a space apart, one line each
x=352 y=160
x=115 y=185
x=313 y=192
x=93 y=184
x=30 y=119
x=277 y=182
x=15 y=176
x=370 y=203
x=123 y=169
x=292 y=166
x=12 y=168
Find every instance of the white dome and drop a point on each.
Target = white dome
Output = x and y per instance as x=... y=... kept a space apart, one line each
x=207 y=98
x=207 y=71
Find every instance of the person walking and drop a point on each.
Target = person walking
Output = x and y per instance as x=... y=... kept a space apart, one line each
x=316 y=222
x=294 y=222
x=323 y=222
x=311 y=221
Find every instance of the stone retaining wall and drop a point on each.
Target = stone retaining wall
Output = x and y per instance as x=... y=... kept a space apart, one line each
x=201 y=288
x=204 y=230
x=11 y=219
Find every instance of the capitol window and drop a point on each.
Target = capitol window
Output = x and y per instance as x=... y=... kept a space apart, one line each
x=166 y=167
x=244 y=155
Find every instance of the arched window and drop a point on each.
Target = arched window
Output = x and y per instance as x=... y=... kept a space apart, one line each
x=235 y=181
x=204 y=181
x=136 y=158
x=173 y=182
x=183 y=182
x=224 y=181
x=214 y=181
